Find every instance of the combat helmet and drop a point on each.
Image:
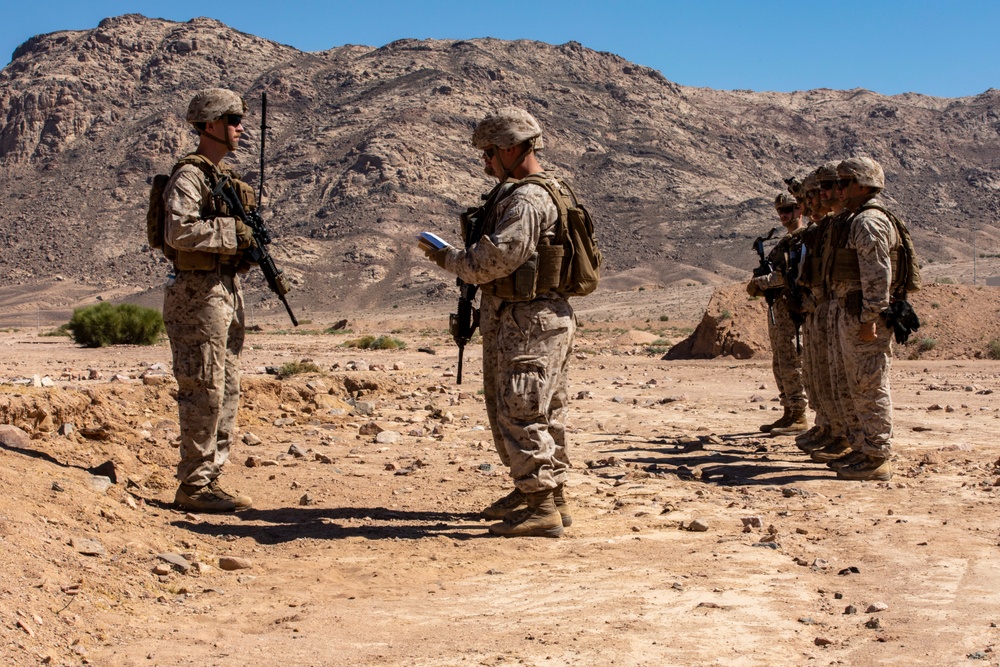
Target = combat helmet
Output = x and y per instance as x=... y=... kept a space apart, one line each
x=784 y=199
x=864 y=170
x=827 y=172
x=508 y=127
x=214 y=103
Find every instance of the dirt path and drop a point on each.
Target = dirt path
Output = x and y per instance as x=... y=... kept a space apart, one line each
x=388 y=563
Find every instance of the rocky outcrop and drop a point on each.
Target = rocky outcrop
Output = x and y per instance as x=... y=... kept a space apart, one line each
x=733 y=325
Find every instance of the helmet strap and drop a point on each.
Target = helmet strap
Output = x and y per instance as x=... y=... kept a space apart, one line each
x=507 y=171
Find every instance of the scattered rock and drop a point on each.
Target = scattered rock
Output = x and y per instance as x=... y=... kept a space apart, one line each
x=388 y=438
x=176 y=561
x=296 y=451
x=876 y=607
x=88 y=547
x=697 y=526
x=230 y=563
x=251 y=439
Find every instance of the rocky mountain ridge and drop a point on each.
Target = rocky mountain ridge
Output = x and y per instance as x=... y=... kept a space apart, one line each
x=368 y=146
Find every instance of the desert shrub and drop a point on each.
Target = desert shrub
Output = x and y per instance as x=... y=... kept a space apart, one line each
x=935 y=305
x=124 y=324
x=656 y=350
x=664 y=318
x=926 y=344
x=291 y=368
x=62 y=330
x=373 y=343
x=945 y=281
x=725 y=315
x=993 y=349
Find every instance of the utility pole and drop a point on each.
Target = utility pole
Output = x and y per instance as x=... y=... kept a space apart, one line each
x=974 y=253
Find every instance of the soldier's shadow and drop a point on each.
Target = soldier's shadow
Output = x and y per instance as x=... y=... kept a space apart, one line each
x=285 y=524
x=726 y=464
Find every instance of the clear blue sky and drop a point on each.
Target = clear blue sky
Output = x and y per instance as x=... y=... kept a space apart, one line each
x=947 y=49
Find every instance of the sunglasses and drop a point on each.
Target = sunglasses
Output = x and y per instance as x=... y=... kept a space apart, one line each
x=233 y=120
x=786 y=210
x=827 y=185
x=844 y=182
x=490 y=152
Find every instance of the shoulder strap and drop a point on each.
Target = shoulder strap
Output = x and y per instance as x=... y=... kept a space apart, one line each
x=207 y=167
x=551 y=186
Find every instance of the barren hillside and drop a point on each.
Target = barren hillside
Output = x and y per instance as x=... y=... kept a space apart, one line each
x=370 y=145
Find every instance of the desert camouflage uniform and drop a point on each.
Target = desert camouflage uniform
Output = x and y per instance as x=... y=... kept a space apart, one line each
x=526 y=344
x=786 y=362
x=816 y=338
x=203 y=314
x=863 y=367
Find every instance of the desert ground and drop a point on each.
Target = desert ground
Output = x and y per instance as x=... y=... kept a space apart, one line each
x=696 y=539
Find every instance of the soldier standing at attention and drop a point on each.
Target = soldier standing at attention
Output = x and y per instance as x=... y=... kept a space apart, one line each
x=203 y=302
x=786 y=362
x=527 y=336
x=862 y=264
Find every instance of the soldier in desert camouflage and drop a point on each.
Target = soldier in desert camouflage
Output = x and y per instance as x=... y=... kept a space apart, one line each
x=860 y=264
x=786 y=362
x=526 y=336
x=203 y=302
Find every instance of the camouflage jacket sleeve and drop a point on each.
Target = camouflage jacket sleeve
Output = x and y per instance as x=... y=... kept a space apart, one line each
x=184 y=197
x=873 y=237
x=521 y=220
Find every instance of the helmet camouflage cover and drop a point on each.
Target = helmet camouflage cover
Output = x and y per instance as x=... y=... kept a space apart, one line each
x=784 y=199
x=827 y=172
x=507 y=127
x=214 y=103
x=864 y=171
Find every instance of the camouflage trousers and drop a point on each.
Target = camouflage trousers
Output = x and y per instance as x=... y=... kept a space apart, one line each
x=816 y=332
x=203 y=314
x=786 y=362
x=526 y=350
x=860 y=372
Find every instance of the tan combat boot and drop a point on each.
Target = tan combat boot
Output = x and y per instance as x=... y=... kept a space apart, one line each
x=871 y=468
x=210 y=498
x=819 y=440
x=562 y=506
x=814 y=433
x=846 y=460
x=797 y=424
x=834 y=449
x=504 y=506
x=539 y=519
x=784 y=420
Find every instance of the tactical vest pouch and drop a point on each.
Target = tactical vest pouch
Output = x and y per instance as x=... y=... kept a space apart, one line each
x=518 y=286
x=550 y=262
x=195 y=261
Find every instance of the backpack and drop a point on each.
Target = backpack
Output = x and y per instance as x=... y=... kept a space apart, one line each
x=581 y=258
x=156 y=214
x=907 y=278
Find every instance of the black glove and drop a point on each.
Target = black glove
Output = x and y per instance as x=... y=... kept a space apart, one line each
x=902 y=319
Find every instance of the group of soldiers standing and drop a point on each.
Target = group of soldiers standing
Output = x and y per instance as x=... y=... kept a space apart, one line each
x=836 y=281
x=834 y=278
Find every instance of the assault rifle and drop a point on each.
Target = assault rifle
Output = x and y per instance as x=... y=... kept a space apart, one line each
x=258 y=252
x=463 y=323
x=764 y=268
